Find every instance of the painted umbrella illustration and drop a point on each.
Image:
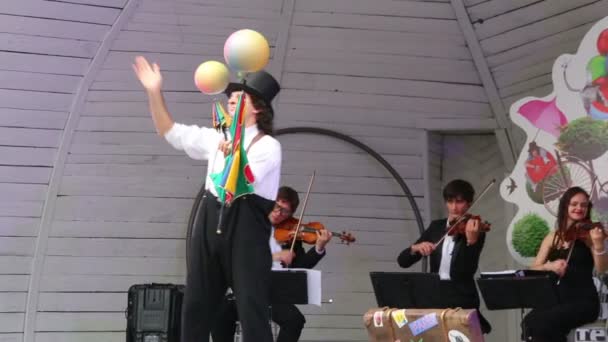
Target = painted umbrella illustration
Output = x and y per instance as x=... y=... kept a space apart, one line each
x=544 y=115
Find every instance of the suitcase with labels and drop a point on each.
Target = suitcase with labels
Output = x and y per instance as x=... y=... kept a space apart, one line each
x=154 y=312
x=377 y=321
x=407 y=325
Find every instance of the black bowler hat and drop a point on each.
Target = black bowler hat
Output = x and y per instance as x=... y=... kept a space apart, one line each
x=260 y=84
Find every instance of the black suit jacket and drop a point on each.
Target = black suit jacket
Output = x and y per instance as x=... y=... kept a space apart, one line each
x=302 y=258
x=461 y=289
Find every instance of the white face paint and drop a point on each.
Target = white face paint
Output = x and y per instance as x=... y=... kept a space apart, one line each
x=457 y=336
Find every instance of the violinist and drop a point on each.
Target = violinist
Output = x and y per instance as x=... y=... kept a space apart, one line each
x=572 y=251
x=456 y=257
x=289 y=318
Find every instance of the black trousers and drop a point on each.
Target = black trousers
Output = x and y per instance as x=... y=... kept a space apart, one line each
x=554 y=324
x=287 y=316
x=240 y=258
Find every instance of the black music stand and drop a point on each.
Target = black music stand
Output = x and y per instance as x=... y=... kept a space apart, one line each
x=289 y=287
x=526 y=289
x=520 y=290
x=406 y=290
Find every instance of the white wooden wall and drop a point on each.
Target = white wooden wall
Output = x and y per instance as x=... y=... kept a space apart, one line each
x=95 y=201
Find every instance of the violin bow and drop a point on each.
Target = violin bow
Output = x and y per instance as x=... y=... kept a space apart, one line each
x=295 y=236
x=463 y=215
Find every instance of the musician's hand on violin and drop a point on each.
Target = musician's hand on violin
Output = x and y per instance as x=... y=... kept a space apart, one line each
x=285 y=257
x=225 y=147
x=423 y=248
x=323 y=237
x=472 y=231
x=558 y=266
x=597 y=238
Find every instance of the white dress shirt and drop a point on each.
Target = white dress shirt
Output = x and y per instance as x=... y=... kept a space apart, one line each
x=446 y=257
x=275 y=247
x=202 y=143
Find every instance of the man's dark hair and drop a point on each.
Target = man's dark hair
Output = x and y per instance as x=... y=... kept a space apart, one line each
x=458 y=189
x=265 y=114
x=290 y=195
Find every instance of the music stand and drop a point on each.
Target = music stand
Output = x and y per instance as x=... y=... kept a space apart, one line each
x=528 y=289
x=406 y=290
x=289 y=287
x=520 y=290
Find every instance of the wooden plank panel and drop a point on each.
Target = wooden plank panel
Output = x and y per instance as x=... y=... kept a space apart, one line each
x=101 y=283
x=526 y=16
x=133 y=160
x=122 y=60
x=204 y=8
x=118 y=229
x=27 y=156
x=11 y=323
x=426 y=49
x=12 y=117
x=543 y=28
x=385 y=102
x=124 y=209
x=81 y=302
x=121 y=247
x=20 y=99
x=384 y=7
x=379 y=22
x=234 y=24
x=43 y=63
x=48 y=46
x=30 y=175
x=21 y=208
x=60 y=10
x=35 y=192
x=61 y=265
x=76 y=321
x=11 y=337
x=506 y=58
x=504 y=79
x=19 y=226
x=12 y=302
x=522 y=87
x=39 y=82
x=20 y=246
x=193 y=110
x=14 y=265
x=119 y=170
x=96 y=336
x=104 y=3
x=385 y=86
x=423 y=69
x=128 y=186
x=52 y=28
x=494 y=8
x=14 y=283
x=270 y=4
x=29 y=137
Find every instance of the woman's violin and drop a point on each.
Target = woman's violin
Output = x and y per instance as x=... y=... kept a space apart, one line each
x=459 y=226
x=307 y=233
x=580 y=230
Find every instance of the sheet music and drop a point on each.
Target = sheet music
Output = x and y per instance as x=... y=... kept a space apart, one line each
x=313 y=284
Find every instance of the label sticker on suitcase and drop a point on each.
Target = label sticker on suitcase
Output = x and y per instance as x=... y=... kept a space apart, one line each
x=424 y=323
x=399 y=317
x=378 y=319
x=457 y=336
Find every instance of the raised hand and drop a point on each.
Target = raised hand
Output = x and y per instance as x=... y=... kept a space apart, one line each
x=148 y=75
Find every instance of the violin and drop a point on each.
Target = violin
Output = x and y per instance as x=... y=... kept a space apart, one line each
x=580 y=230
x=284 y=232
x=459 y=226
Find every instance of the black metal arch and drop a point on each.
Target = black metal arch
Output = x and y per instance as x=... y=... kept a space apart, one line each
x=337 y=135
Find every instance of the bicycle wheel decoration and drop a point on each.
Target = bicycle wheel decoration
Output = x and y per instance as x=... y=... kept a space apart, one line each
x=567 y=141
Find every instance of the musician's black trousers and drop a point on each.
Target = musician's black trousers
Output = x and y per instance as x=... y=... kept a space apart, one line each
x=287 y=316
x=240 y=258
